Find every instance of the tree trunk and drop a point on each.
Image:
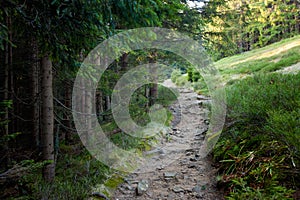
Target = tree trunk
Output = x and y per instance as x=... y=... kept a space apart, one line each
x=99 y=105
x=6 y=80
x=147 y=95
x=35 y=94
x=153 y=93
x=154 y=86
x=107 y=103
x=47 y=137
x=99 y=97
x=124 y=61
x=10 y=67
x=88 y=111
x=67 y=118
x=296 y=18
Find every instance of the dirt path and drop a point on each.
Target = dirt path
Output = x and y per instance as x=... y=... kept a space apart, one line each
x=179 y=172
x=293 y=69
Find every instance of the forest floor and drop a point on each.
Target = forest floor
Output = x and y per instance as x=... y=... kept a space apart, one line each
x=180 y=173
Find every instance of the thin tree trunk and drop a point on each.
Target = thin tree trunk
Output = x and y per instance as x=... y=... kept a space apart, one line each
x=47 y=137
x=35 y=94
x=88 y=111
x=107 y=107
x=124 y=61
x=153 y=93
x=147 y=95
x=154 y=86
x=107 y=102
x=6 y=95
x=67 y=115
x=82 y=97
x=99 y=97
x=296 y=17
x=99 y=105
x=10 y=67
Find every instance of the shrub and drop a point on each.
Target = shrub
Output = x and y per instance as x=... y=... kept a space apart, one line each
x=182 y=81
x=190 y=72
x=175 y=75
x=196 y=76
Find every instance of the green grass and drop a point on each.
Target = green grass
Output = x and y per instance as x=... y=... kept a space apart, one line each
x=267 y=59
x=259 y=149
x=227 y=62
x=269 y=64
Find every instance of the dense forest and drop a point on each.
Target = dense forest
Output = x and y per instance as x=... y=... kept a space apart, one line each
x=44 y=42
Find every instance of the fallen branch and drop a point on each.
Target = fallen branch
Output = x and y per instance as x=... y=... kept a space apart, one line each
x=14 y=173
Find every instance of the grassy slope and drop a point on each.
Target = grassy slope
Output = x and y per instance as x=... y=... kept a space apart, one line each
x=271 y=58
x=267 y=59
x=259 y=149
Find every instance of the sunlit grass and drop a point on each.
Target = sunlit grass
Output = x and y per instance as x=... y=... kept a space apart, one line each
x=268 y=51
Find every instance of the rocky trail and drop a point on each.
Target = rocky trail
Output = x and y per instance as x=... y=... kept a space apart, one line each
x=179 y=172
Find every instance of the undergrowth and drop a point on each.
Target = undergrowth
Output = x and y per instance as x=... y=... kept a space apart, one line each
x=259 y=151
x=78 y=173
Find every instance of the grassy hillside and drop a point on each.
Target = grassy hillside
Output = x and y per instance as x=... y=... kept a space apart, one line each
x=259 y=150
x=268 y=59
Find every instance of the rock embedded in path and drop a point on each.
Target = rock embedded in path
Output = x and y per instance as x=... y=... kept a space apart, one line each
x=197 y=189
x=206 y=121
x=169 y=175
x=194 y=159
x=142 y=187
x=201 y=131
x=192 y=165
x=200 y=137
x=178 y=189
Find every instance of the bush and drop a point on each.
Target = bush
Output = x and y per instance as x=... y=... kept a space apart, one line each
x=190 y=72
x=175 y=75
x=196 y=76
x=181 y=81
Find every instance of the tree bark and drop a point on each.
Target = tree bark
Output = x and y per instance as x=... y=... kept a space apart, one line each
x=154 y=86
x=35 y=94
x=47 y=137
x=124 y=61
x=88 y=111
x=10 y=67
x=107 y=103
x=147 y=94
x=153 y=93
x=99 y=96
x=99 y=105
x=6 y=95
x=67 y=117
